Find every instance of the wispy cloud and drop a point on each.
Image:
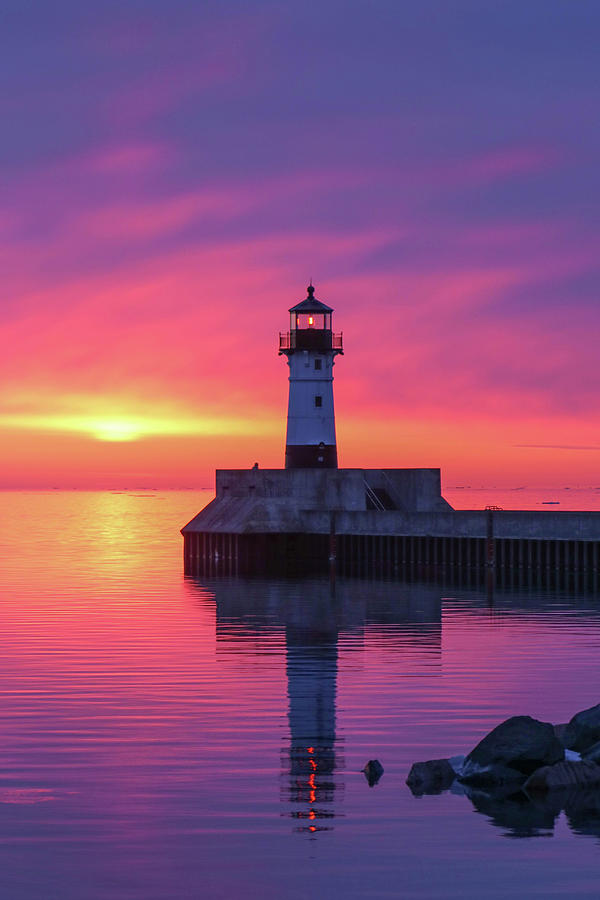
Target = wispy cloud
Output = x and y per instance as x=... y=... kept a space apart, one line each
x=559 y=446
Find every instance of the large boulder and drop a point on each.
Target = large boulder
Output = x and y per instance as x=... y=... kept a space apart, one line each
x=563 y=776
x=431 y=777
x=512 y=751
x=583 y=730
x=492 y=777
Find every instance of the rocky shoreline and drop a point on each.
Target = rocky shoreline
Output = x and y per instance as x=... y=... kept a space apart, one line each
x=526 y=769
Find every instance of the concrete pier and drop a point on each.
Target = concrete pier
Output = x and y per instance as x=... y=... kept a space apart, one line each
x=375 y=522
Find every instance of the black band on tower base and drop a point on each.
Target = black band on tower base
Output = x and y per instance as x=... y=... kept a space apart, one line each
x=307 y=456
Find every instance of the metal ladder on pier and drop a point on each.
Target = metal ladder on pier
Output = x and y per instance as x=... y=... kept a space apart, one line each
x=372 y=496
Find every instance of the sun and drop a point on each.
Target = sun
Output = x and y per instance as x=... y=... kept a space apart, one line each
x=115 y=431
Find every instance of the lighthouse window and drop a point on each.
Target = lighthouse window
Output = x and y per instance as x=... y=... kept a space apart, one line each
x=318 y=363
x=318 y=400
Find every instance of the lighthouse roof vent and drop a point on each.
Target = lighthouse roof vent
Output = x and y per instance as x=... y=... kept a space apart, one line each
x=311 y=304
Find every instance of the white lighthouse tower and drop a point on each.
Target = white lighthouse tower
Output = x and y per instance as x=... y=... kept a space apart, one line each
x=311 y=347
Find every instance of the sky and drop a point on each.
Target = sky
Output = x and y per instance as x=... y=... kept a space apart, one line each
x=174 y=173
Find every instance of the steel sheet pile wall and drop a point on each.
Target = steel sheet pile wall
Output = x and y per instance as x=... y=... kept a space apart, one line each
x=536 y=561
x=217 y=553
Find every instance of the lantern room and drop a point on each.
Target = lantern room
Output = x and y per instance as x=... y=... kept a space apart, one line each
x=310 y=327
x=310 y=313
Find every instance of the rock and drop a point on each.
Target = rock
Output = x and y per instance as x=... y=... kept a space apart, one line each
x=559 y=731
x=457 y=762
x=583 y=730
x=512 y=751
x=592 y=753
x=494 y=775
x=564 y=775
x=373 y=771
x=431 y=777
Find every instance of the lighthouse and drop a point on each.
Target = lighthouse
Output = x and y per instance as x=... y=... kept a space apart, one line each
x=311 y=347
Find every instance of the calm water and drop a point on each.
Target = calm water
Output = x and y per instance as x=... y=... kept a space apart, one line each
x=165 y=737
x=567 y=497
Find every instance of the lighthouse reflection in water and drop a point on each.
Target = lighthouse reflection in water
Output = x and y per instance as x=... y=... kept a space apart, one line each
x=311 y=664
x=315 y=623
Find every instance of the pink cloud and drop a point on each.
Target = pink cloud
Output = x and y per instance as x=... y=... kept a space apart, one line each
x=516 y=160
x=127 y=159
x=483 y=168
x=163 y=321
x=161 y=85
x=187 y=321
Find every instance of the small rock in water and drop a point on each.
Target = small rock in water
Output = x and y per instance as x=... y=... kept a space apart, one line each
x=564 y=775
x=373 y=771
x=431 y=777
